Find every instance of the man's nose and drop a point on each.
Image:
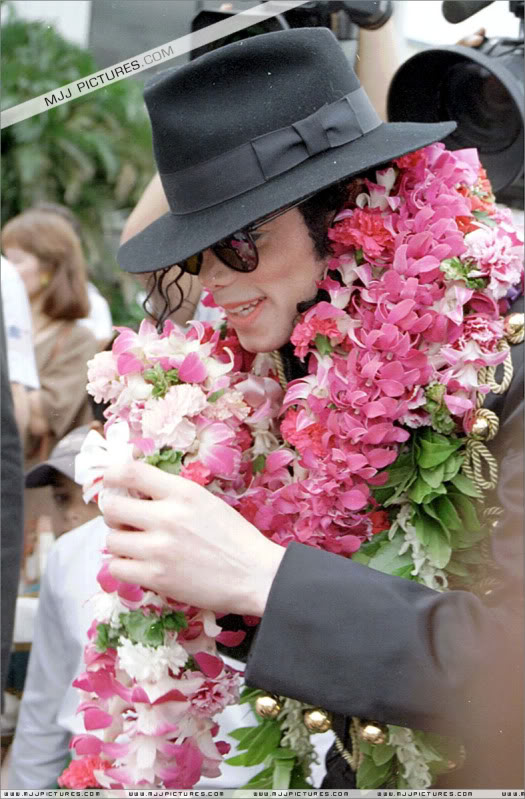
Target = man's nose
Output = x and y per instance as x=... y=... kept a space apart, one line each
x=214 y=274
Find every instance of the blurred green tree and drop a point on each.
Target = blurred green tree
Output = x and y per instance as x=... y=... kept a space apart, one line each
x=92 y=154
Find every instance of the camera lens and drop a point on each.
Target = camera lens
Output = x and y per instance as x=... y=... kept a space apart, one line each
x=479 y=102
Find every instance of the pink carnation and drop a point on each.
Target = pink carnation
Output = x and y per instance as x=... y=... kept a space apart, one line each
x=364 y=229
x=197 y=472
x=80 y=773
x=496 y=256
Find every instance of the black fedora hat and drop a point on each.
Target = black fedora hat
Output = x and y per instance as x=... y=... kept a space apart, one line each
x=255 y=126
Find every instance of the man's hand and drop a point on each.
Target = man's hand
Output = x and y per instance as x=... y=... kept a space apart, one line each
x=187 y=543
x=473 y=39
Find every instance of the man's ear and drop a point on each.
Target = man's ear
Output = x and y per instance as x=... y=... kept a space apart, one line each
x=98 y=426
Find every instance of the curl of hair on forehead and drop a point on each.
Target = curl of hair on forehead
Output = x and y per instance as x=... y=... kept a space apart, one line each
x=160 y=286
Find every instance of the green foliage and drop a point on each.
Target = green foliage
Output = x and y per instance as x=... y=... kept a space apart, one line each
x=107 y=637
x=216 y=395
x=168 y=460
x=373 y=775
x=140 y=628
x=92 y=154
x=456 y=269
x=258 y=463
x=323 y=345
x=428 y=475
x=483 y=216
x=261 y=744
x=162 y=381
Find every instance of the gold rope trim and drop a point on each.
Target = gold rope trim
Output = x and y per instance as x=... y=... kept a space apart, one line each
x=514 y=328
x=487 y=375
x=478 y=456
x=279 y=368
x=355 y=757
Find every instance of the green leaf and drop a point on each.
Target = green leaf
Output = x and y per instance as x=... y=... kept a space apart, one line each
x=387 y=559
x=382 y=753
x=369 y=775
x=404 y=571
x=175 y=620
x=452 y=466
x=434 y=477
x=283 y=753
x=382 y=495
x=247 y=737
x=435 y=449
x=482 y=216
x=369 y=548
x=141 y=629
x=282 y=772
x=323 y=345
x=258 y=463
x=428 y=527
x=419 y=490
x=169 y=460
x=465 y=485
x=361 y=557
x=107 y=637
x=249 y=694
x=398 y=473
x=240 y=733
x=435 y=492
x=447 y=513
x=366 y=748
x=261 y=745
x=216 y=395
x=297 y=780
x=453 y=567
x=261 y=780
x=439 y=550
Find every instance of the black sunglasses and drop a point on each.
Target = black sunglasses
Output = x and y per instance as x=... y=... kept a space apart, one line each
x=239 y=250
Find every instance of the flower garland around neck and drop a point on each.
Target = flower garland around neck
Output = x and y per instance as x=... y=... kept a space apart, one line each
x=373 y=455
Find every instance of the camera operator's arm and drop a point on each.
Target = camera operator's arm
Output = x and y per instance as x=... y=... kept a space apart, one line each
x=378 y=58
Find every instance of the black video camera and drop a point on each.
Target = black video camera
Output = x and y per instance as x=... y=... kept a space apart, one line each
x=481 y=88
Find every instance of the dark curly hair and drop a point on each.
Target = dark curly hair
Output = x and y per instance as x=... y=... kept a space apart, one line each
x=317 y=211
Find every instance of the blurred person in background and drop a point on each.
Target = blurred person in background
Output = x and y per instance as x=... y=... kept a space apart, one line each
x=47 y=254
x=98 y=319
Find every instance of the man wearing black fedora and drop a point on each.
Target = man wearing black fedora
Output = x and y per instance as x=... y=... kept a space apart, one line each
x=252 y=142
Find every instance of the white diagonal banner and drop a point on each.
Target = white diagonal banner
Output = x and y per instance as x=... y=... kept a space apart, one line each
x=146 y=60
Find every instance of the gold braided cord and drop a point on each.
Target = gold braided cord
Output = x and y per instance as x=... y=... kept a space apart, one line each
x=515 y=328
x=279 y=368
x=516 y=338
x=494 y=510
x=477 y=456
x=492 y=421
x=355 y=757
x=487 y=375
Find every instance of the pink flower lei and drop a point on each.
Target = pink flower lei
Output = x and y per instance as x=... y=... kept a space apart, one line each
x=360 y=457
